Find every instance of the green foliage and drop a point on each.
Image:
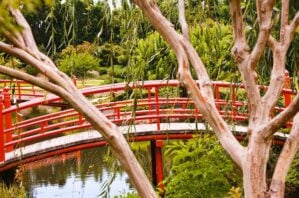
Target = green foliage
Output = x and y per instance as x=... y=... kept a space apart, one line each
x=13 y=191
x=111 y=54
x=6 y=22
x=213 y=41
x=71 y=22
x=234 y=192
x=128 y=195
x=78 y=60
x=152 y=60
x=200 y=165
x=292 y=180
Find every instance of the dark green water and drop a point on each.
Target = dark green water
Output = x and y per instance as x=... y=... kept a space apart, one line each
x=77 y=175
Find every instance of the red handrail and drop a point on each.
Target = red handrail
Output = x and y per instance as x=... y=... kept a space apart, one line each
x=149 y=109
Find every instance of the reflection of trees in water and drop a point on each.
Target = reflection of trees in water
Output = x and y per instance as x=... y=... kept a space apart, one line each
x=93 y=163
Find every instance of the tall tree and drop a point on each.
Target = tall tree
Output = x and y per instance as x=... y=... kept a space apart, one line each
x=253 y=157
x=19 y=42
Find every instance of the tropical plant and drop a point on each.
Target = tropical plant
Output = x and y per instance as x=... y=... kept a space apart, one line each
x=213 y=41
x=253 y=157
x=152 y=60
x=200 y=165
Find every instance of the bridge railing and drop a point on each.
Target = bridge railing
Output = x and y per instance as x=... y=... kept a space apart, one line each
x=124 y=104
x=21 y=90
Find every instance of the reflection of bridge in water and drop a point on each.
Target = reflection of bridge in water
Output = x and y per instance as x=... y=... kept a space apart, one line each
x=147 y=111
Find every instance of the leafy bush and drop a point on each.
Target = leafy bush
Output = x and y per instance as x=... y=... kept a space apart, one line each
x=200 y=168
x=12 y=191
x=78 y=60
x=116 y=71
x=112 y=54
x=152 y=60
x=292 y=181
x=213 y=42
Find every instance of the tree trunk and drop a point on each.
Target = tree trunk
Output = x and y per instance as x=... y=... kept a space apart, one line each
x=254 y=168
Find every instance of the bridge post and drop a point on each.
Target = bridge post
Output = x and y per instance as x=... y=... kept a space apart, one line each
x=19 y=89
x=80 y=119
x=217 y=97
x=287 y=85
x=287 y=95
x=8 y=117
x=149 y=97
x=157 y=107
x=75 y=80
x=157 y=163
x=233 y=102
x=2 y=148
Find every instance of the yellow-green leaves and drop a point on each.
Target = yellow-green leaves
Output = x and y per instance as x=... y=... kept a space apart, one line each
x=7 y=24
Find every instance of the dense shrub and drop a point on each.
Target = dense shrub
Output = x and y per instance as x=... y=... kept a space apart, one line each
x=200 y=165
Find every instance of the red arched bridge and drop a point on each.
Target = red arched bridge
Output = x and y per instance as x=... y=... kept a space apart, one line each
x=150 y=110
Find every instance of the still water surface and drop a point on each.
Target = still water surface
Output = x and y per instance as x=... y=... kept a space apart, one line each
x=81 y=174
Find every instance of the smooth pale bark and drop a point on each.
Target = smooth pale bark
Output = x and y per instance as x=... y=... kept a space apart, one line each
x=201 y=93
x=252 y=159
x=23 y=46
x=182 y=19
x=289 y=150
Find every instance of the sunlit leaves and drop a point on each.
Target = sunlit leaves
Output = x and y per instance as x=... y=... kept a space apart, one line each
x=152 y=60
x=200 y=168
x=6 y=22
x=213 y=41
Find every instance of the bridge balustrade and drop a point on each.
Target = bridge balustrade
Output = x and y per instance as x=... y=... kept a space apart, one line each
x=124 y=104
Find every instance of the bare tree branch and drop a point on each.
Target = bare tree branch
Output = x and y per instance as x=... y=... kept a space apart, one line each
x=64 y=87
x=279 y=55
x=28 y=44
x=264 y=11
x=272 y=43
x=285 y=159
x=182 y=19
x=282 y=118
x=165 y=28
x=291 y=30
x=109 y=131
x=238 y=25
x=15 y=38
x=240 y=51
x=202 y=95
x=284 y=18
x=276 y=82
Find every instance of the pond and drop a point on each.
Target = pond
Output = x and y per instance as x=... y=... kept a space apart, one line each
x=88 y=173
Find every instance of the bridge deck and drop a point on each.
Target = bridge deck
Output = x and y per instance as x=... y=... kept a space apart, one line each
x=58 y=143
x=155 y=103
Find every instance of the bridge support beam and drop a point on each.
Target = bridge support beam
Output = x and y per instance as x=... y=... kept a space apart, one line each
x=2 y=150
x=157 y=163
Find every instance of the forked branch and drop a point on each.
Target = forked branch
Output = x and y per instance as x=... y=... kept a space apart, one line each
x=282 y=118
x=264 y=12
x=202 y=94
x=279 y=50
x=241 y=54
x=62 y=85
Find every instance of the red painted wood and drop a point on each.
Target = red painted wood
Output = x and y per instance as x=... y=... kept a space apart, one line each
x=2 y=150
x=157 y=107
x=8 y=117
x=149 y=110
x=159 y=164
